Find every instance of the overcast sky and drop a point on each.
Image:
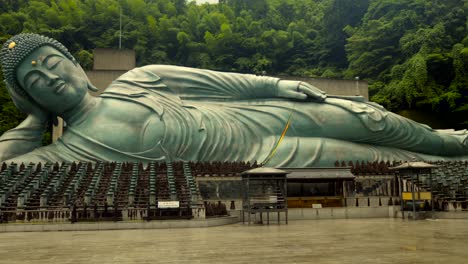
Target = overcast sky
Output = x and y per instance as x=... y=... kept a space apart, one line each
x=205 y=1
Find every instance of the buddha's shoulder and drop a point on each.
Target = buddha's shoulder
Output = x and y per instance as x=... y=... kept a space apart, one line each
x=123 y=125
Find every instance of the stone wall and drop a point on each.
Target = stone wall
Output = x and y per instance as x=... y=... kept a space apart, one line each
x=335 y=86
x=342 y=213
x=113 y=59
x=67 y=226
x=102 y=78
x=111 y=63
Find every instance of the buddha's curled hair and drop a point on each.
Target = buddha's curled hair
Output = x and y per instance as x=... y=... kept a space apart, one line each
x=17 y=48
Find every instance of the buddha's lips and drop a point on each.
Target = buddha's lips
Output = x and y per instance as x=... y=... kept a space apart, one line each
x=60 y=87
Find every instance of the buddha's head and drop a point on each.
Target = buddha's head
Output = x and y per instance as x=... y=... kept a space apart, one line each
x=40 y=70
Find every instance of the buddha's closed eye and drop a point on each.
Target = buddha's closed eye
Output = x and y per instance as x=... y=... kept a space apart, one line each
x=31 y=79
x=53 y=62
x=34 y=81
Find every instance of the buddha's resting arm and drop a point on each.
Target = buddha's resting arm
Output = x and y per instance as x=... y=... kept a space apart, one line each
x=22 y=139
x=199 y=84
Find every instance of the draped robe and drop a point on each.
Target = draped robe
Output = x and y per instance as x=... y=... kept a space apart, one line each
x=211 y=115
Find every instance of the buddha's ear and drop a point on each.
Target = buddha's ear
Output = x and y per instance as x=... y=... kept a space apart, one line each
x=92 y=87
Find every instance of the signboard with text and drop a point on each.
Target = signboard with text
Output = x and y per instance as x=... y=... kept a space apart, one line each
x=168 y=204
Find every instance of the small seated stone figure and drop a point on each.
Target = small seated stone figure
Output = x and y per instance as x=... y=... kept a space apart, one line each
x=171 y=113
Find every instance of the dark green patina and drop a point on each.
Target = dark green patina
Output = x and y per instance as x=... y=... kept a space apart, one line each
x=163 y=112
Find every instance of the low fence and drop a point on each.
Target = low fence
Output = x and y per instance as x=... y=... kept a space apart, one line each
x=342 y=213
x=84 y=215
x=38 y=216
x=372 y=201
x=101 y=214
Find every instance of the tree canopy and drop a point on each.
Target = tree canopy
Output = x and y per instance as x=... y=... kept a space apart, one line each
x=414 y=53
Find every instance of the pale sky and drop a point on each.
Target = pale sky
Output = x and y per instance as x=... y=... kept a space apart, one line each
x=205 y=1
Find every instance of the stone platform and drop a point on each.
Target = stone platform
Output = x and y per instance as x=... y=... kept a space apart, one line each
x=363 y=241
x=95 y=226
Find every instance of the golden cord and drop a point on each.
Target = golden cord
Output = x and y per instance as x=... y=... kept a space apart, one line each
x=286 y=127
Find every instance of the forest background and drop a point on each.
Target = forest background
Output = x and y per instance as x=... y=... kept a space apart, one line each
x=413 y=53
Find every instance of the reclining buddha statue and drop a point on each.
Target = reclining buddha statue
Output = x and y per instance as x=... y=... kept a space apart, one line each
x=172 y=113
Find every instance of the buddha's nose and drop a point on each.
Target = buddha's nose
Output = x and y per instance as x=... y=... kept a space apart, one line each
x=51 y=77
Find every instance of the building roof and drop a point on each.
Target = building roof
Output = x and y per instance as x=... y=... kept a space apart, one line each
x=323 y=173
x=264 y=170
x=414 y=165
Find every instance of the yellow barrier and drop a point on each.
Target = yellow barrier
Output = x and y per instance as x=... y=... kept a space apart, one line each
x=417 y=196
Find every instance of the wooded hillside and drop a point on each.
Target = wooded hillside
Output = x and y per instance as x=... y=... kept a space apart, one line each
x=414 y=53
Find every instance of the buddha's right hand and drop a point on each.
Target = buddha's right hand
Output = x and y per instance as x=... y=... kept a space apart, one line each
x=22 y=139
x=36 y=113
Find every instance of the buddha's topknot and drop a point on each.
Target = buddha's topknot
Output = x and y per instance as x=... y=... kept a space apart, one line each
x=17 y=48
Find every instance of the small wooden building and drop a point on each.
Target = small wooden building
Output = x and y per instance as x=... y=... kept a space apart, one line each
x=319 y=187
x=264 y=190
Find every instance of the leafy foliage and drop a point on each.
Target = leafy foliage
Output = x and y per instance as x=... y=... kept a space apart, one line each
x=414 y=53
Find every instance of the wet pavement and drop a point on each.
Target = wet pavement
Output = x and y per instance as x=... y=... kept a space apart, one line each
x=312 y=241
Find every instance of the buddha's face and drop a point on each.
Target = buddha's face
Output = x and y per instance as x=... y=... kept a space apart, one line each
x=52 y=80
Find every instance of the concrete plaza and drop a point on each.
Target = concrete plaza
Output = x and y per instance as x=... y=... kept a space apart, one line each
x=305 y=241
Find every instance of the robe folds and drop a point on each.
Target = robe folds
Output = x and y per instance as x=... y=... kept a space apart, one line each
x=217 y=116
